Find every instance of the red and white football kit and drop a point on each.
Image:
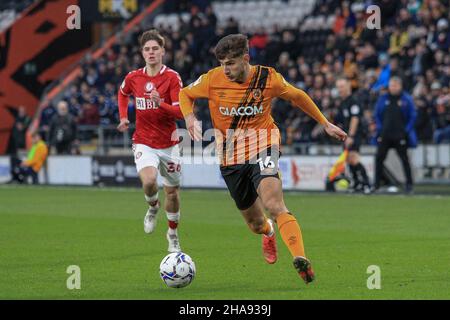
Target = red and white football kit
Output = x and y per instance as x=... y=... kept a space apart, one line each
x=155 y=141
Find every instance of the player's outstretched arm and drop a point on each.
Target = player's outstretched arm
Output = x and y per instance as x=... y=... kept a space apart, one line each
x=198 y=89
x=335 y=131
x=187 y=108
x=193 y=126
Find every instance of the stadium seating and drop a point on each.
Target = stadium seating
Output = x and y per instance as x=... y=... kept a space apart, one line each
x=319 y=45
x=10 y=10
x=252 y=15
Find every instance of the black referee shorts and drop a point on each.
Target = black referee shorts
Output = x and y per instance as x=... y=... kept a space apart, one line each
x=243 y=180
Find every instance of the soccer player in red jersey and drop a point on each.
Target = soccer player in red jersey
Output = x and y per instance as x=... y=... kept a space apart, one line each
x=155 y=89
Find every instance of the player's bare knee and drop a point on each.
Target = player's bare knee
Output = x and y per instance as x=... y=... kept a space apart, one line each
x=149 y=182
x=172 y=193
x=276 y=213
x=274 y=207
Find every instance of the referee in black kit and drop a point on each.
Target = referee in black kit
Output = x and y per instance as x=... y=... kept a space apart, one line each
x=395 y=116
x=350 y=118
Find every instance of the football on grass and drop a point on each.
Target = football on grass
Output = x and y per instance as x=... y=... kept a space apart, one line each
x=177 y=270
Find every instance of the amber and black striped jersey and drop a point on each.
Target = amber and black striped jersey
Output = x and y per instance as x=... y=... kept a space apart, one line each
x=241 y=112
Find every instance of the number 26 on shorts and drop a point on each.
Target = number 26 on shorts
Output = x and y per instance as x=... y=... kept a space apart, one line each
x=173 y=167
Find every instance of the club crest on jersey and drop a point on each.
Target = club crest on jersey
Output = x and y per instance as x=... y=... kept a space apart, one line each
x=149 y=87
x=257 y=93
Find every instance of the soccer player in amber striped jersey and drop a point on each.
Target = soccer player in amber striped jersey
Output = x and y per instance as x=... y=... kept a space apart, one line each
x=248 y=141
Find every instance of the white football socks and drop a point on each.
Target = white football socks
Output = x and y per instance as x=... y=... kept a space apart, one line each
x=152 y=198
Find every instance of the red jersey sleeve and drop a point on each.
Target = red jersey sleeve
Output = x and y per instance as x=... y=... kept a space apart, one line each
x=175 y=86
x=122 y=97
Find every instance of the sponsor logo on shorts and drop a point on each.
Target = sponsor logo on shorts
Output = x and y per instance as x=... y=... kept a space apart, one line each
x=138 y=155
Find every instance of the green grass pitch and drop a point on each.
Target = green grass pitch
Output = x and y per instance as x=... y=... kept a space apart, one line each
x=43 y=230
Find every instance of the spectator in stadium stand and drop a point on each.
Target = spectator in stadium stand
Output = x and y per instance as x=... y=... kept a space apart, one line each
x=419 y=56
x=211 y=17
x=21 y=124
x=384 y=73
x=339 y=22
x=47 y=111
x=423 y=124
x=31 y=166
x=351 y=68
x=390 y=8
x=90 y=116
x=63 y=129
x=232 y=26
x=257 y=44
x=442 y=118
x=397 y=40
x=395 y=117
x=441 y=37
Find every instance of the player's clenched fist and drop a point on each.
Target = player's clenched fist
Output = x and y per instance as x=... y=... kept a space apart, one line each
x=123 y=125
x=154 y=96
x=335 y=131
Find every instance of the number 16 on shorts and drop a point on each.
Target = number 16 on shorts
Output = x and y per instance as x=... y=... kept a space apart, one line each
x=267 y=165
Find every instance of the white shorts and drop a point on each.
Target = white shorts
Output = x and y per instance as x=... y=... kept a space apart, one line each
x=167 y=161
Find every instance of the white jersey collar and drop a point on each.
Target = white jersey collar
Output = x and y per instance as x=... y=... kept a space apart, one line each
x=163 y=68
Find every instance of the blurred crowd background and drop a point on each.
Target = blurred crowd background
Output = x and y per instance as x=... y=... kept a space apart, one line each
x=412 y=43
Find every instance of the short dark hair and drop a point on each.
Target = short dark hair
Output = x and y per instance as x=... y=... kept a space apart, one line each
x=231 y=46
x=152 y=34
x=342 y=77
x=396 y=79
